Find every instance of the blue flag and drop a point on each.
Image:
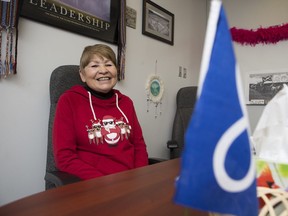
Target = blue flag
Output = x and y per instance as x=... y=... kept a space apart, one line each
x=217 y=171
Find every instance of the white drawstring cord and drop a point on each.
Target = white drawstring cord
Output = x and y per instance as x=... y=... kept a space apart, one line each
x=120 y=109
x=91 y=107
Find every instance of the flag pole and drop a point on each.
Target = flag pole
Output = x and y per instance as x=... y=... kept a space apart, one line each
x=209 y=41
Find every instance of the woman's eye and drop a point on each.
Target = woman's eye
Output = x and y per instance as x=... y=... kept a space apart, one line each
x=94 y=66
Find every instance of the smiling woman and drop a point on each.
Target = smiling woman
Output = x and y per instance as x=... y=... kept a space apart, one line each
x=96 y=131
x=100 y=74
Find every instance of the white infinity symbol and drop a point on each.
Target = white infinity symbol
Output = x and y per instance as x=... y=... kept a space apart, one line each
x=220 y=153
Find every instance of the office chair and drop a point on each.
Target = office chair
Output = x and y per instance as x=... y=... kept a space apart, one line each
x=185 y=101
x=63 y=78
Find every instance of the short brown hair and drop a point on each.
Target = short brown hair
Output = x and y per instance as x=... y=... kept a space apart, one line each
x=101 y=50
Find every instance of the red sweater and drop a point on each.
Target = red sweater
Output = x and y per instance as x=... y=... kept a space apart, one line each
x=87 y=152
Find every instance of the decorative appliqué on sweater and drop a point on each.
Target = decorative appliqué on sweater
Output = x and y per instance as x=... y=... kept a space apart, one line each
x=109 y=129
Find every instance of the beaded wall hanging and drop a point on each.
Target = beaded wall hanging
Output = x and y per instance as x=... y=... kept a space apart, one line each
x=9 y=15
x=155 y=90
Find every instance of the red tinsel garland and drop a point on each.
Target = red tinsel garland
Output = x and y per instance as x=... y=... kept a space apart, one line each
x=272 y=34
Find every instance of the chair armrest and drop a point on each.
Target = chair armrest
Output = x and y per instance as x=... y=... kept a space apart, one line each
x=59 y=178
x=155 y=160
x=172 y=144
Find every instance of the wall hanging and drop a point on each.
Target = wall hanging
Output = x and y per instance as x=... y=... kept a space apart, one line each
x=155 y=91
x=9 y=16
x=122 y=41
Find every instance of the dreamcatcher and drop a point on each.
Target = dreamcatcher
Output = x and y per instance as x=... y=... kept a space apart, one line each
x=155 y=90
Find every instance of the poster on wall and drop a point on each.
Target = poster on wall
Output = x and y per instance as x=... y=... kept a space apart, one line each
x=262 y=87
x=93 y=18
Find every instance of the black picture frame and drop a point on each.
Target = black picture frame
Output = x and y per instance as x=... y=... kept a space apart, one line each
x=99 y=22
x=261 y=87
x=157 y=22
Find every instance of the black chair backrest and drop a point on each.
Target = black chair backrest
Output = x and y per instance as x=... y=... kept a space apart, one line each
x=62 y=78
x=185 y=100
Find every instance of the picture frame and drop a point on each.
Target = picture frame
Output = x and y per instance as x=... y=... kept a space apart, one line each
x=262 y=86
x=157 y=22
x=93 y=18
x=131 y=15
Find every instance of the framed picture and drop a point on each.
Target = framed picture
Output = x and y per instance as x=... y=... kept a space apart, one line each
x=93 y=18
x=131 y=15
x=262 y=87
x=158 y=23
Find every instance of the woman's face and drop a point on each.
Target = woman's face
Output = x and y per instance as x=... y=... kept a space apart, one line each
x=100 y=74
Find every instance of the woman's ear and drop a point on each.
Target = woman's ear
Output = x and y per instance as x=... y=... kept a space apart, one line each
x=82 y=75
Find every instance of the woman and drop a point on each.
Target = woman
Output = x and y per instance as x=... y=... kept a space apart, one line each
x=96 y=131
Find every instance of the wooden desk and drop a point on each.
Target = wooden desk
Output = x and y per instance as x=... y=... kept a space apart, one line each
x=143 y=191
